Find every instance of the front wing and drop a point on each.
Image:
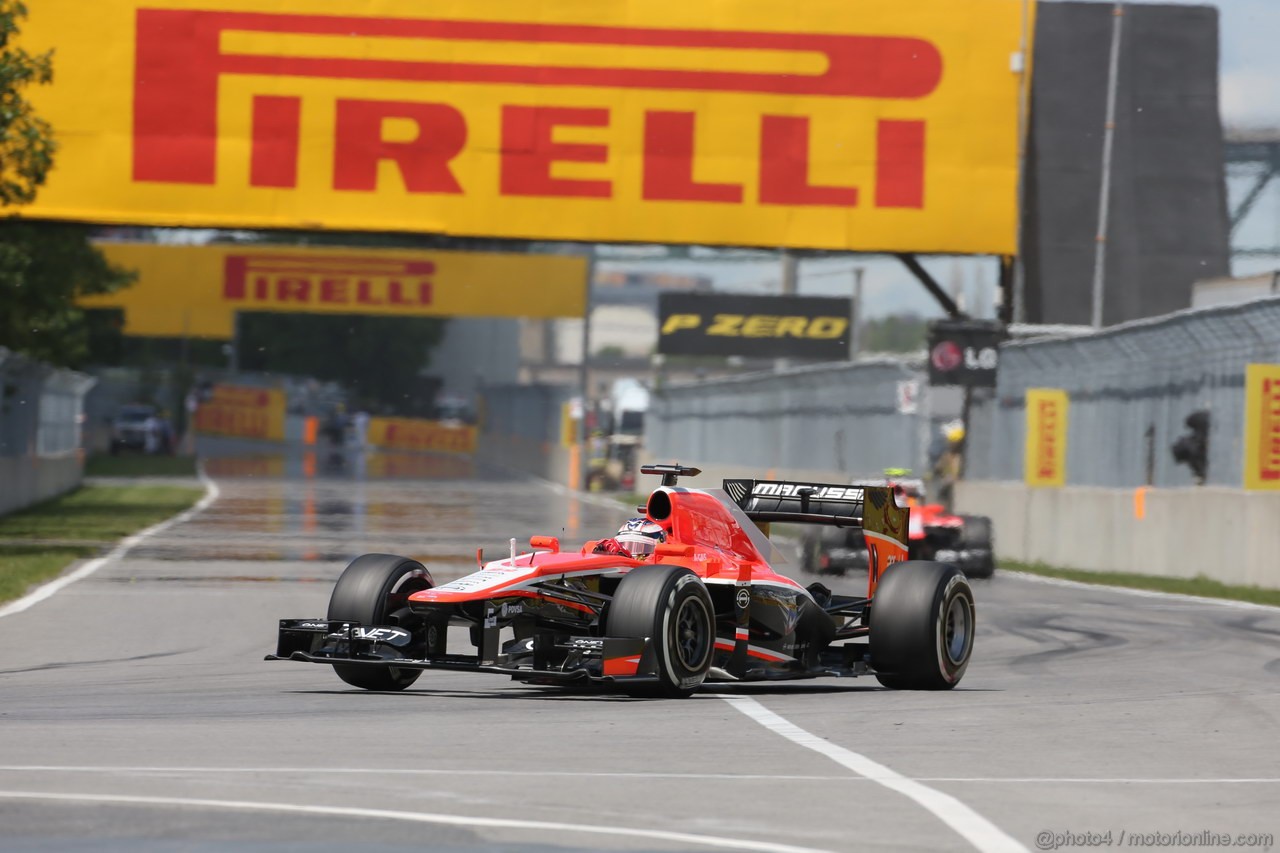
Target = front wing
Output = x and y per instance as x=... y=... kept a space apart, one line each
x=592 y=659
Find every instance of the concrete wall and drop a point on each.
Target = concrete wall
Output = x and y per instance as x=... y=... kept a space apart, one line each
x=539 y=458
x=26 y=480
x=520 y=430
x=1225 y=534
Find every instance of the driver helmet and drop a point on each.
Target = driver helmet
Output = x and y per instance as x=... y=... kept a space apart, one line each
x=639 y=537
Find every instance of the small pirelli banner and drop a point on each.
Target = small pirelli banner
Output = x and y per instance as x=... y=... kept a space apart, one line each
x=421 y=435
x=1046 y=442
x=241 y=411
x=1262 y=426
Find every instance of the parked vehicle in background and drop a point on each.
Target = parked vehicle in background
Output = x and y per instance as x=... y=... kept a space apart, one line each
x=965 y=541
x=141 y=428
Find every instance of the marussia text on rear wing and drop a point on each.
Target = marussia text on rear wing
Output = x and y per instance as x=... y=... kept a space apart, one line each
x=872 y=508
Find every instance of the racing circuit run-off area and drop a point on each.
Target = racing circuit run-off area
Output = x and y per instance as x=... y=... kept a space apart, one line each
x=137 y=708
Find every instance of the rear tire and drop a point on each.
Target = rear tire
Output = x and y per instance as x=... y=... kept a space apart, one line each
x=922 y=626
x=671 y=606
x=369 y=591
x=977 y=535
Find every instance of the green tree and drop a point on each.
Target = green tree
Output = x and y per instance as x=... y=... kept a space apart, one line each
x=44 y=268
x=895 y=333
x=379 y=359
x=26 y=140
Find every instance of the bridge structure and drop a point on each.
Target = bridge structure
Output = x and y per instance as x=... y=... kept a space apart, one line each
x=1253 y=157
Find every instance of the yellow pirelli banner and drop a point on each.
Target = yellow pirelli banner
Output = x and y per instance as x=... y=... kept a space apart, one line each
x=197 y=290
x=421 y=435
x=1262 y=427
x=1046 y=442
x=241 y=411
x=870 y=125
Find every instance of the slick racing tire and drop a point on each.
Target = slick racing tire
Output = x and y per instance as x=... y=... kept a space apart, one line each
x=977 y=536
x=922 y=626
x=671 y=606
x=369 y=591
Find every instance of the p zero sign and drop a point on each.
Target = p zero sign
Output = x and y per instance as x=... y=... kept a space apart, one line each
x=753 y=326
x=876 y=125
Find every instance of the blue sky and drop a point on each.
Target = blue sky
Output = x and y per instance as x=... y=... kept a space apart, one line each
x=1249 y=88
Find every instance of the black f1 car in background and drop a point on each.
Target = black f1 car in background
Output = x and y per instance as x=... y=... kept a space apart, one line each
x=935 y=534
x=706 y=605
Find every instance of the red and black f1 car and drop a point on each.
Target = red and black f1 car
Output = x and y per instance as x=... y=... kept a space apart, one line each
x=707 y=605
x=935 y=533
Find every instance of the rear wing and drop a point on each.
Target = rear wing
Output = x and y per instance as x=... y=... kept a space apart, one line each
x=871 y=508
x=803 y=503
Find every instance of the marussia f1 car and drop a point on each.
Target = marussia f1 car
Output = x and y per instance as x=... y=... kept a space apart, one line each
x=706 y=605
x=934 y=534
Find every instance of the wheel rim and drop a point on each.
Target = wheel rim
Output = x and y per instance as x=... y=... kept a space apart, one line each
x=692 y=638
x=957 y=629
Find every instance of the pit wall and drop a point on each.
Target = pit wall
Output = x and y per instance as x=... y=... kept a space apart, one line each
x=1225 y=534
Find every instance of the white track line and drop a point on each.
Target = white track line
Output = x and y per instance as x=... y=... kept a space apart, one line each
x=1142 y=593
x=421 y=817
x=586 y=774
x=976 y=829
x=124 y=547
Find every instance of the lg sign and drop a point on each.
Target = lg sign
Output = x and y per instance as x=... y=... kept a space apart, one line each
x=964 y=352
x=181 y=57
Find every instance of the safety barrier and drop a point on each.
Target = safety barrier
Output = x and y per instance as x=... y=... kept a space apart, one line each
x=830 y=420
x=1228 y=535
x=1130 y=389
x=41 y=413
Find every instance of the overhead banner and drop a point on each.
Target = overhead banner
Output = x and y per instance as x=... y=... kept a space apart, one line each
x=869 y=126
x=965 y=352
x=241 y=411
x=755 y=326
x=196 y=291
x=1262 y=427
x=1046 y=442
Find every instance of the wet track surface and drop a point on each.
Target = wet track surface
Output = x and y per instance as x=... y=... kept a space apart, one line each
x=136 y=712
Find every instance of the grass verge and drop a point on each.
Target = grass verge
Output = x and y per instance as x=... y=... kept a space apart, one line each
x=139 y=465
x=1199 y=585
x=37 y=543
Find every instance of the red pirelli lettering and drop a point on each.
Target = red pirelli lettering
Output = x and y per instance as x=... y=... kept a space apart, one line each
x=423 y=161
x=179 y=61
x=668 y=162
x=529 y=150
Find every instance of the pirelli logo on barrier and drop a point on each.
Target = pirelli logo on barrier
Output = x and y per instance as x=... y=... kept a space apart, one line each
x=877 y=125
x=421 y=435
x=754 y=326
x=1045 y=463
x=1262 y=427
x=240 y=411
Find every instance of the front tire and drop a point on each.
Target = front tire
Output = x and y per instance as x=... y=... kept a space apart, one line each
x=369 y=591
x=671 y=607
x=922 y=626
